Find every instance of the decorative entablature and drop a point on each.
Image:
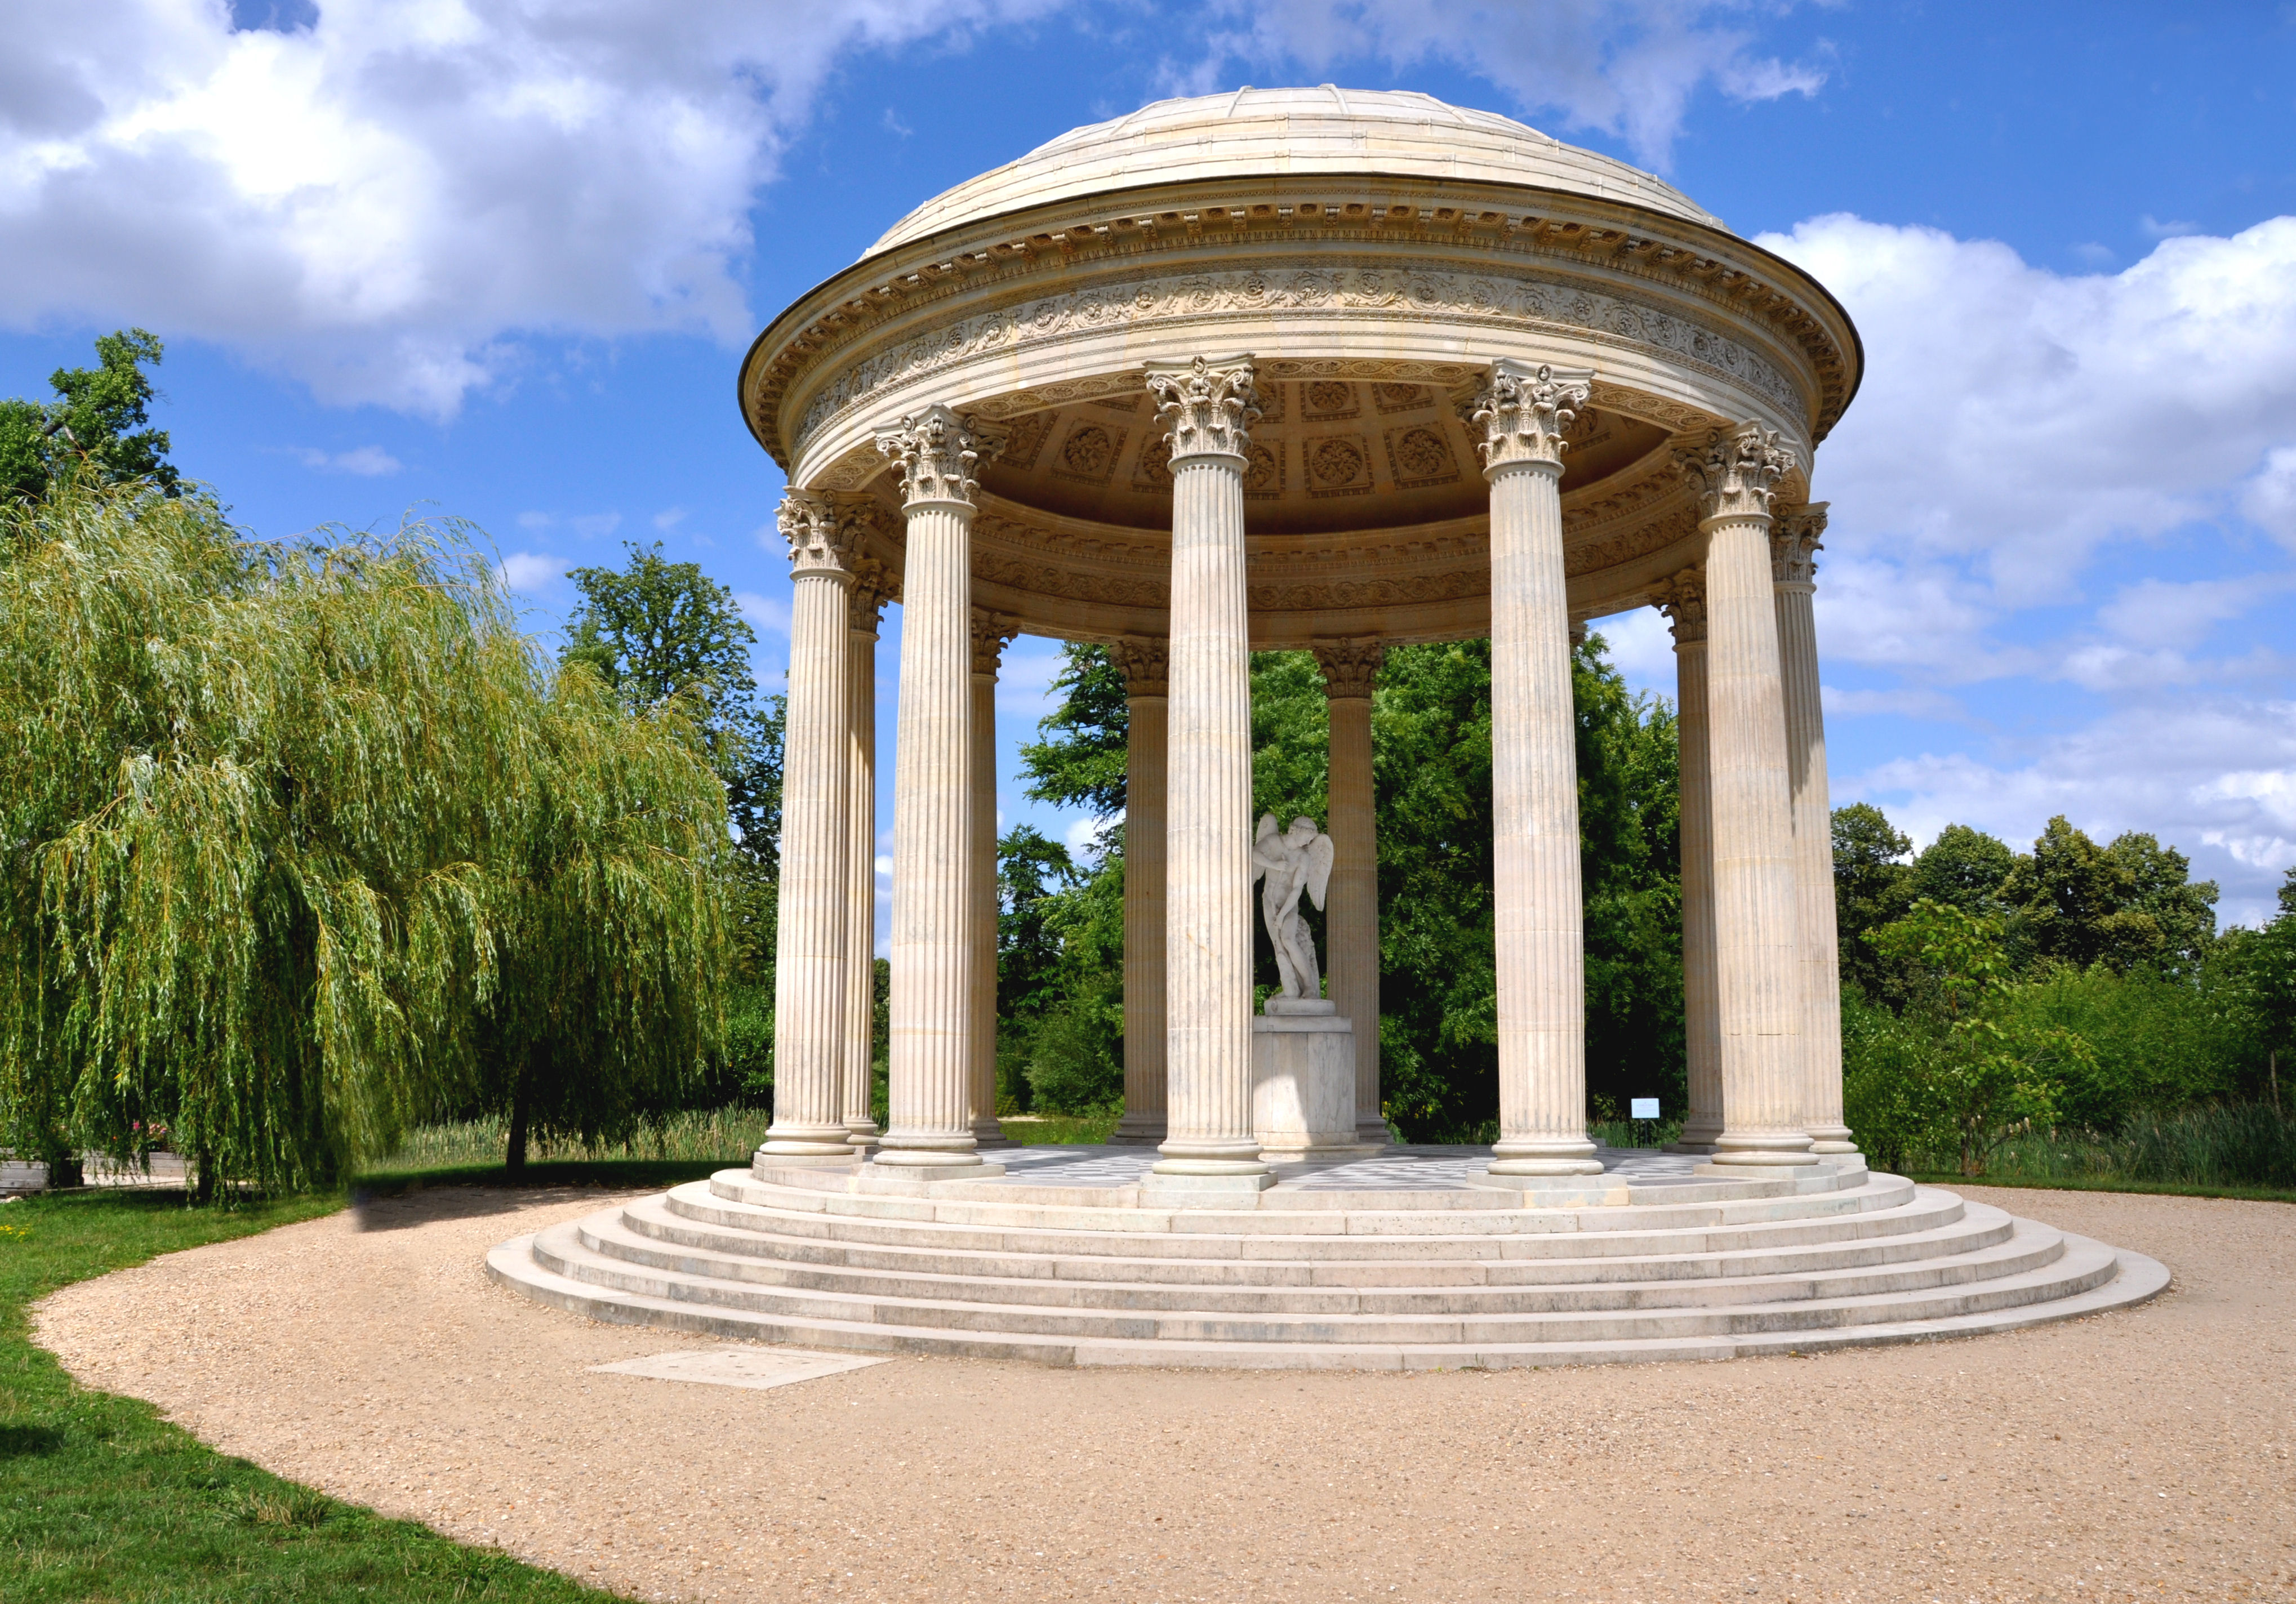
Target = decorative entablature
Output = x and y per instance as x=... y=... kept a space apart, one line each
x=1700 y=296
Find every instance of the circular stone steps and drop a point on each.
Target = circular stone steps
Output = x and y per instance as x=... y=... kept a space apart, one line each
x=1414 y=1259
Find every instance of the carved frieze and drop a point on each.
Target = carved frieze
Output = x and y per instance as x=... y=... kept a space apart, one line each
x=1506 y=301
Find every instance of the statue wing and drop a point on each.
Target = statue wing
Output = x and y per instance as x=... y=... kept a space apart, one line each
x=1319 y=867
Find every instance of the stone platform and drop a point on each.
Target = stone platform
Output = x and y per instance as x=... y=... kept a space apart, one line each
x=1415 y=1257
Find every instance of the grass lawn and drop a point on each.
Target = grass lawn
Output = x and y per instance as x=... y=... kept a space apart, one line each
x=101 y=1499
x=2106 y=1183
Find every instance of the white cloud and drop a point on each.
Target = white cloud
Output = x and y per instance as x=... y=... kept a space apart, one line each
x=2172 y=613
x=1629 y=69
x=379 y=203
x=370 y=460
x=1024 y=679
x=593 y=524
x=2270 y=500
x=2019 y=418
x=767 y=615
x=669 y=518
x=2158 y=230
x=2213 y=776
x=1083 y=837
x=534 y=521
x=531 y=571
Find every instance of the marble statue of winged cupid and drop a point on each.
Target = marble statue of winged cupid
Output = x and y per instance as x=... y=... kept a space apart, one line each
x=1294 y=860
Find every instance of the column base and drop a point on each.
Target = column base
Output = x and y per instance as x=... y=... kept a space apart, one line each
x=1831 y=1139
x=1140 y=1130
x=1160 y=1188
x=805 y=1141
x=1763 y=1149
x=988 y=1134
x=908 y=1180
x=765 y=1160
x=1372 y=1131
x=863 y=1135
x=1544 y=1155
x=897 y=1152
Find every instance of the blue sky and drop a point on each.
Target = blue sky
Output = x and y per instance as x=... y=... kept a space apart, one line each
x=499 y=261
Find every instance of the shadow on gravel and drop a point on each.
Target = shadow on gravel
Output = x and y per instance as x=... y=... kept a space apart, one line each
x=394 y=1204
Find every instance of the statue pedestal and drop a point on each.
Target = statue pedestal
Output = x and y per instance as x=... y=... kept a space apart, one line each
x=1303 y=1082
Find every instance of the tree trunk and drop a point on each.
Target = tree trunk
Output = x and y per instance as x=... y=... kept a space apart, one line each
x=202 y=1179
x=514 y=1152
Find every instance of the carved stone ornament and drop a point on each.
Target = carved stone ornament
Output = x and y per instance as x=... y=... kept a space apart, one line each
x=1519 y=416
x=1293 y=861
x=1683 y=600
x=873 y=585
x=1349 y=667
x=819 y=542
x=935 y=453
x=1795 y=543
x=1145 y=663
x=1207 y=407
x=992 y=632
x=1737 y=472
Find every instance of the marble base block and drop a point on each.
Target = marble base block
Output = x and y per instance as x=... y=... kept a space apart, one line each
x=1303 y=1085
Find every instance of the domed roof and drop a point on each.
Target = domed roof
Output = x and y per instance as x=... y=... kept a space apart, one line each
x=1278 y=131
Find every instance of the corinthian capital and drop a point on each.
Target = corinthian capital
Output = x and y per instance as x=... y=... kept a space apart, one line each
x=1145 y=663
x=992 y=632
x=1683 y=600
x=1795 y=543
x=873 y=585
x=1208 y=407
x=820 y=542
x=1519 y=416
x=1349 y=667
x=1737 y=472
x=935 y=451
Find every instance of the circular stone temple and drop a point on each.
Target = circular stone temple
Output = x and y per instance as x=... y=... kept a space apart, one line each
x=1324 y=370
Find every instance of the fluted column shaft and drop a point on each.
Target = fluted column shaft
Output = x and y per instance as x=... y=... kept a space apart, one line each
x=809 y=980
x=1519 y=418
x=1701 y=1027
x=1793 y=550
x=935 y=925
x=1208 y=832
x=1756 y=926
x=1144 y=667
x=861 y=869
x=991 y=632
x=1351 y=909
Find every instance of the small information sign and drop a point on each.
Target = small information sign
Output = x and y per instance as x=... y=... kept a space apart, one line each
x=1642 y=1107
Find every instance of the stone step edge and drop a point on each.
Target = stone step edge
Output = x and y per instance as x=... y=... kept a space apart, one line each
x=610 y=1237
x=1969 y=1233
x=562 y=1243
x=511 y=1264
x=1062 y=1238
x=1876 y=1192
x=1484 y=1192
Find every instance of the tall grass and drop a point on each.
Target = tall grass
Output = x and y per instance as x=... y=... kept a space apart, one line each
x=2242 y=1145
x=697 y=1136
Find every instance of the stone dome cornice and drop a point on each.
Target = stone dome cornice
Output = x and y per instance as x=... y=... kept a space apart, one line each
x=1012 y=258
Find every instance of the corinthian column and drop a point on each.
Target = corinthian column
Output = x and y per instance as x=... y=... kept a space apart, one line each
x=809 y=952
x=1793 y=573
x=1519 y=419
x=934 y=453
x=1207 y=409
x=872 y=587
x=1684 y=604
x=1756 y=924
x=1351 y=909
x=990 y=633
x=1145 y=667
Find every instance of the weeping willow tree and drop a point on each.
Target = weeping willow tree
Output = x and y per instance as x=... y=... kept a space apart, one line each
x=304 y=842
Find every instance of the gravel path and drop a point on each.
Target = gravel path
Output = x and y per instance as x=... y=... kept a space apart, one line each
x=2145 y=1453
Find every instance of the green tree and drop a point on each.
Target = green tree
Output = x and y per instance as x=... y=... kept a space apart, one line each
x=99 y=415
x=2128 y=904
x=1870 y=876
x=1982 y=1074
x=1963 y=868
x=659 y=632
x=310 y=845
